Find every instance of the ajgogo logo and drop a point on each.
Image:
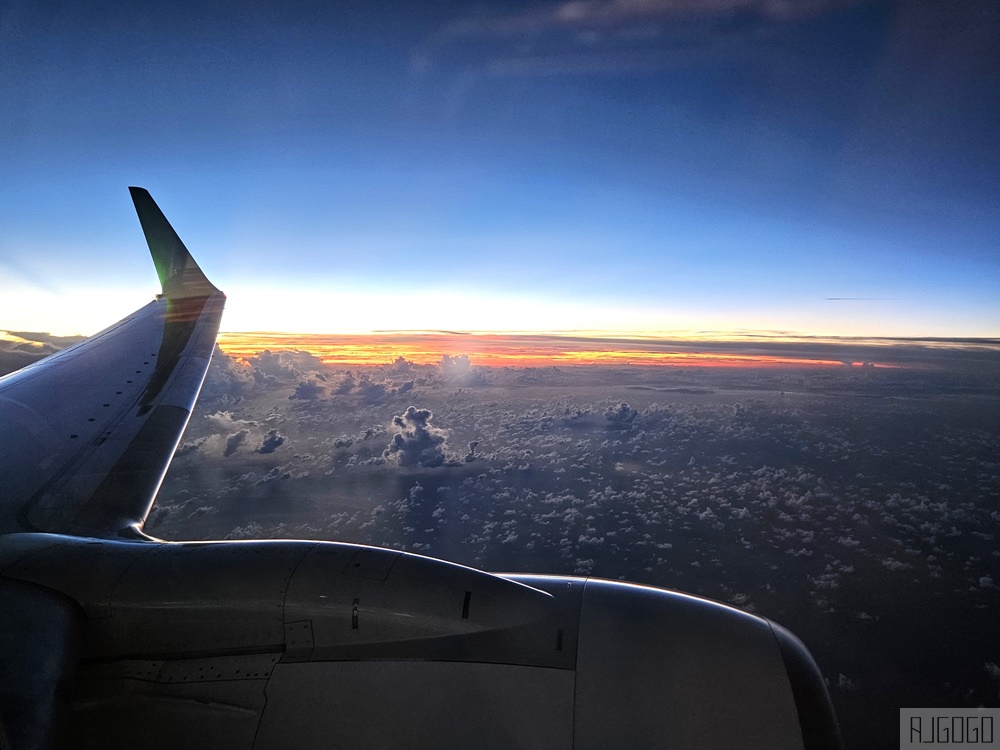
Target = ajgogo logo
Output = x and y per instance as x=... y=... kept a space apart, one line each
x=947 y=727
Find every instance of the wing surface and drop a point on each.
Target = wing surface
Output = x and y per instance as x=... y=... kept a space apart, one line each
x=87 y=434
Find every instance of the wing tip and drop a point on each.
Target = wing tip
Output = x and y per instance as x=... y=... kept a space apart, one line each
x=179 y=273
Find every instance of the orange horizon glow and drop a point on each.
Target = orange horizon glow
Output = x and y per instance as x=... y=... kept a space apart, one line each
x=502 y=350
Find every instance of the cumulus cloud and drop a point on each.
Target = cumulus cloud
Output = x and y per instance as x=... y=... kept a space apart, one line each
x=189 y=447
x=234 y=441
x=227 y=379
x=252 y=530
x=275 y=364
x=401 y=366
x=308 y=390
x=346 y=385
x=224 y=421
x=620 y=416
x=269 y=369
x=373 y=392
x=276 y=474
x=233 y=434
x=418 y=442
x=271 y=442
x=471 y=455
x=458 y=364
x=459 y=369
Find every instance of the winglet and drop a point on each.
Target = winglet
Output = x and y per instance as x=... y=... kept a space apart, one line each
x=179 y=275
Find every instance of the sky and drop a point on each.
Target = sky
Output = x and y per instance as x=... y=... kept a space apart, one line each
x=816 y=168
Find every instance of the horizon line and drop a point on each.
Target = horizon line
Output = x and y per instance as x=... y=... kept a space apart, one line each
x=638 y=335
x=537 y=349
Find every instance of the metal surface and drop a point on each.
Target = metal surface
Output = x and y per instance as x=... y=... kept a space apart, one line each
x=270 y=623
x=690 y=672
x=88 y=433
x=391 y=704
x=210 y=702
x=308 y=600
x=40 y=633
x=354 y=597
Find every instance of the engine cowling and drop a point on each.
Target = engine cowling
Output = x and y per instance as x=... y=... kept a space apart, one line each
x=274 y=644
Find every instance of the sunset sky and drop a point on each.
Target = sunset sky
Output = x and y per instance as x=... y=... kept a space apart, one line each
x=663 y=167
x=513 y=350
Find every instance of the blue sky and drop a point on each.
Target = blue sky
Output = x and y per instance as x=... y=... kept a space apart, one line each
x=657 y=165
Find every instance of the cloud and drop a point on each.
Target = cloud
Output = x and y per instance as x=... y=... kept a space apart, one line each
x=224 y=421
x=271 y=442
x=401 y=366
x=276 y=474
x=227 y=379
x=273 y=368
x=346 y=385
x=458 y=364
x=47 y=341
x=588 y=37
x=418 y=442
x=20 y=348
x=238 y=433
x=373 y=392
x=459 y=369
x=308 y=390
x=234 y=441
x=620 y=416
x=189 y=447
x=275 y=364
x=252 y=530
x=471 y=455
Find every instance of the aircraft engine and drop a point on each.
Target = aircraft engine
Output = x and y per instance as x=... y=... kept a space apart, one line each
x=222 y=644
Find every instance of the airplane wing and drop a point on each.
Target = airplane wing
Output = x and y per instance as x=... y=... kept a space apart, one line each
x=89 y=432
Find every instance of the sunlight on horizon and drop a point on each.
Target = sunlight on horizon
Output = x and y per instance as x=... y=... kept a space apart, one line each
x=511 y=350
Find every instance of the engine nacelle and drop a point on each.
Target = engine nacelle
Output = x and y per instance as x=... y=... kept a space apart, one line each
x=230 y=644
